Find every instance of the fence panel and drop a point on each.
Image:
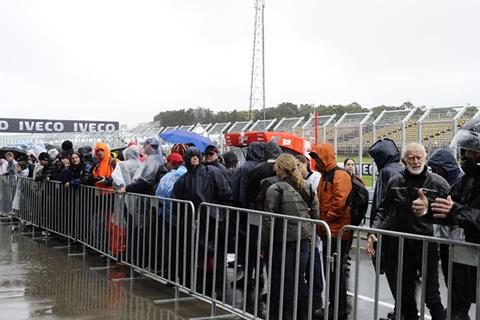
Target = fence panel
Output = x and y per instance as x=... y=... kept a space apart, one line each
x=406 y=253
x=264 y=245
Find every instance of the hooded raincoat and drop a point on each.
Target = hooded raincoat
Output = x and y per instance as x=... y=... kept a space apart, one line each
x=104 y=168
x=202 y=183
x=332 y=196
x=148 y=174
x=240 y=179
x=125 y=170
x=444 y=159
x=387 y=158
x=262 y=170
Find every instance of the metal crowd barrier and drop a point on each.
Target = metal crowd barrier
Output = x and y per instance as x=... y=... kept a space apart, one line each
x=169 y=241
x=152 y=235
x=258 y=241
x=159 y=238
x=460 y=253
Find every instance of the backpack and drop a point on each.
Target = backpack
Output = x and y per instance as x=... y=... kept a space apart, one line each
x=358 y=198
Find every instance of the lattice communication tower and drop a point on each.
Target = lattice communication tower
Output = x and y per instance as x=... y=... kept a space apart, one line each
x=257 y=83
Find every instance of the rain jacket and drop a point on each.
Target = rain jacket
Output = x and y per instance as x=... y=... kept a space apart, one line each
x=202 y=183
x=125 y=170
x=333 y=196
x=387 y=158
x=148 y=175
x=240 y=179
x=445 y=160
x=466 y=208
x=262 y=170
x=104 y=167
x=220 y=166
x=165 y=187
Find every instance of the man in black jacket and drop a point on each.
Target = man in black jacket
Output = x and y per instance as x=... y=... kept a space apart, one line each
x=405 y=209
x=462 y=208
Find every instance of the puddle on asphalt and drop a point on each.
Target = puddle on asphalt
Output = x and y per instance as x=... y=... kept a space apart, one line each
x=39 y=282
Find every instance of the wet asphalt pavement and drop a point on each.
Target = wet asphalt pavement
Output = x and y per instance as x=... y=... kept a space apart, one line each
x=40 y=282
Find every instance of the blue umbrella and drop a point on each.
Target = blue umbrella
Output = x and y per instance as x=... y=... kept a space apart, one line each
x=183 y=136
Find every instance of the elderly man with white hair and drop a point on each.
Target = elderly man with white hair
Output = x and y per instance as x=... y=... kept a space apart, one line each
x=405 y=209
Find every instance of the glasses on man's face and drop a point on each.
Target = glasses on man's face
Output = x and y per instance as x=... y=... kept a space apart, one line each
x=209 y=154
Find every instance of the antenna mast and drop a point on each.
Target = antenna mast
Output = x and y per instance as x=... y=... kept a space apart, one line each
x=257 y=83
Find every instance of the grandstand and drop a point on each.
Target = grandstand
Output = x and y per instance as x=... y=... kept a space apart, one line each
x=433 y=127
x=290 y=125
x=239 y=126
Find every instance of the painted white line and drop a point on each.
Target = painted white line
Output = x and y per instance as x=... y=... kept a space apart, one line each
x=382 y=303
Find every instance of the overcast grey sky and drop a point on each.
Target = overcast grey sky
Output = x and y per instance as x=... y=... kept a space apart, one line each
x=129 y=60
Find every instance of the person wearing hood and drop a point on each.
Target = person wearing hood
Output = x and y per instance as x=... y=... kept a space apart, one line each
x=147 y=176
x=333 y=190
x=212 y=158
x=387 y=159
x=462 y=208
x=261 y=171
x=231 y=160
x=240 y=179
x=240 y=184
x=86 y=153
x=203 y=184
x=103 y=169
x=444 y=164
x=144 y=181
x=386 y=156
x=125 y=170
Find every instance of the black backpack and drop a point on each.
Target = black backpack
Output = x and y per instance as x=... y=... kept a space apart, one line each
x=357 y=199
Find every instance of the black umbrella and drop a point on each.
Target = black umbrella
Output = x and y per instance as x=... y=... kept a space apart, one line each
x=51 y=146
x=18 y=153
x=118 y=152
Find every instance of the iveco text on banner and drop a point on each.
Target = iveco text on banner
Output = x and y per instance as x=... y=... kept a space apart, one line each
x=46 y=126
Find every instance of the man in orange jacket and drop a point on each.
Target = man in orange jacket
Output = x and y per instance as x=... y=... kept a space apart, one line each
x=333 y=191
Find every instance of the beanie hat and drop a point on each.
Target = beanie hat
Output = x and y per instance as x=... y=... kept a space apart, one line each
x=43 y=156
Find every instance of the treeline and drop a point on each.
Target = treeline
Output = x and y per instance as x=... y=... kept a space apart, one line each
x=286 y=109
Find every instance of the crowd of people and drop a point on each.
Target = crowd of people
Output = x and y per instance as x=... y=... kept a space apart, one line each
x=414 y=193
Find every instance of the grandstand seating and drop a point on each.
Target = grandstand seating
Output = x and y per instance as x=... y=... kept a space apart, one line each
x=437 y=129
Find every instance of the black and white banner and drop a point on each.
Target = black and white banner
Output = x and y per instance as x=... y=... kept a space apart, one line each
x=49 y=126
